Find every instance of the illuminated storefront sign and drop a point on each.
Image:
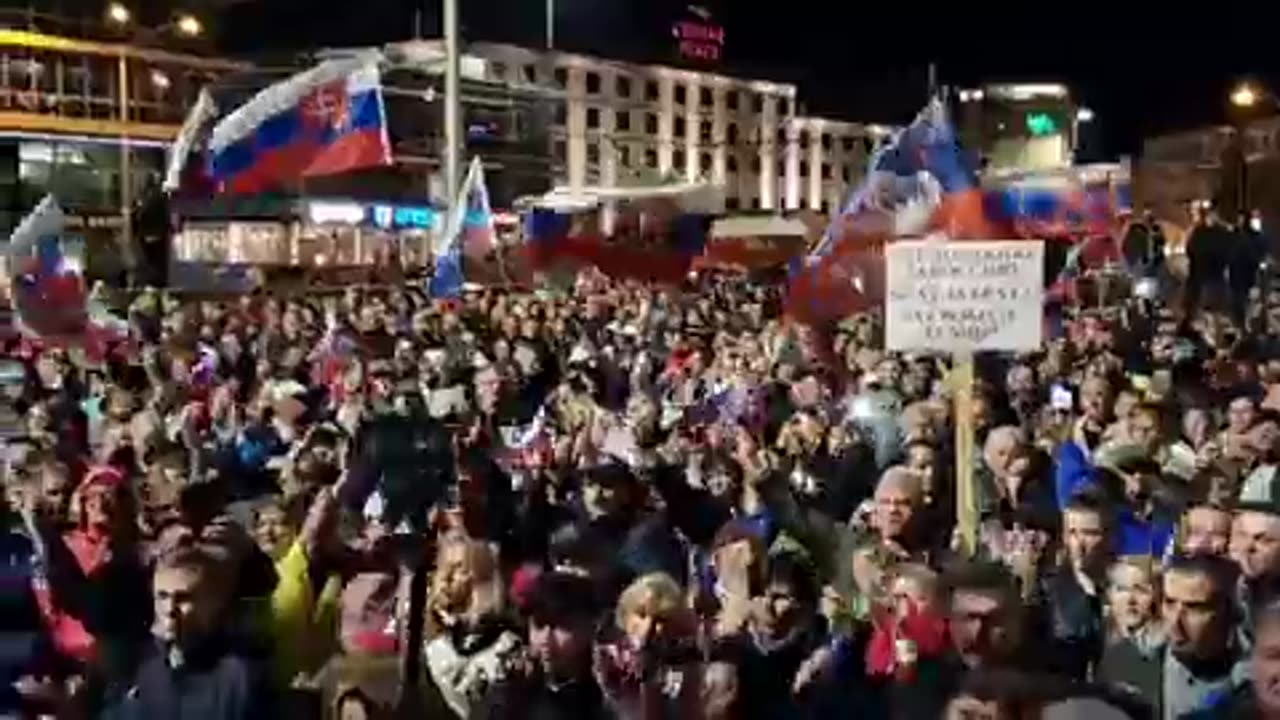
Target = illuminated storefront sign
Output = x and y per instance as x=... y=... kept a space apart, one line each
x=341 y=213
x=390 y=217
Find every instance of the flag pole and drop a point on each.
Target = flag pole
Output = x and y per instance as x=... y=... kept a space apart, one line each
x=452 y=101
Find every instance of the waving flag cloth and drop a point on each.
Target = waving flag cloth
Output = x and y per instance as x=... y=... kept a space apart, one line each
x=1064 y=203
x=180 y=171
x=656 y=232
x=469 y=251
x=917 y=184
x=327 y=120
x=49 y=298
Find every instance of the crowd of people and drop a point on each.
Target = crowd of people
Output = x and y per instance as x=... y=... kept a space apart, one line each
x=638 y=503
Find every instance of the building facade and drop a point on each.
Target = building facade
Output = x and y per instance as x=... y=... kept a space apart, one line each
x=617 y=123
x=89 y=122
x=1020 y=126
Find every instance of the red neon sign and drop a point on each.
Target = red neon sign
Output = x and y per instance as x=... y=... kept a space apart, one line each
x=699 y=40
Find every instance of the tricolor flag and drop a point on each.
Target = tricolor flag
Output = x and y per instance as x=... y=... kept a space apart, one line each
x=656 y=232
x=469 y=251
x=50 y=301
x=917 y=184
x=327 y=120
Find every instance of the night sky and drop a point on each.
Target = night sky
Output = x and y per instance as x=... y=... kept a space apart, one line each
x=1142 y=74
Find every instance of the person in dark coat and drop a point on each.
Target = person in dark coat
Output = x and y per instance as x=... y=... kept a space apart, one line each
x=192 y=671
x=555 y=682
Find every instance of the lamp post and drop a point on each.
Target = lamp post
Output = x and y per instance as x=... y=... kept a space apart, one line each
x=118 y=15
x=1244 y=98
x=1082 y=116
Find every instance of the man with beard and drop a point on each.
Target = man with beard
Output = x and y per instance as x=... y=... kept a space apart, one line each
x=555 y=681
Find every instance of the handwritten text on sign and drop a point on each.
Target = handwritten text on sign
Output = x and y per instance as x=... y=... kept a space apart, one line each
x=964 y=296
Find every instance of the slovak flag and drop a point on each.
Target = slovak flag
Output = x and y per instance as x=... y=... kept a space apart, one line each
x=918 y=183
x=327 y=120
x=48 y=293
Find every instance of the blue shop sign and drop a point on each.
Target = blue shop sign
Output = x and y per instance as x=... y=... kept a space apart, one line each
x=404 y=217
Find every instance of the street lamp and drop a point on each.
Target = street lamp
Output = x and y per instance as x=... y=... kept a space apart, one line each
x=118 y=13
x=1084 y=115
x=1244 y=96
x=189 y=25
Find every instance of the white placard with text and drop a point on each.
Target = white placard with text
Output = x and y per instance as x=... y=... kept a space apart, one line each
x=964 y=296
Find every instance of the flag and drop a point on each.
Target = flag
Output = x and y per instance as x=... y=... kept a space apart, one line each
x=193 y=132
x=327 y=120
x=1058 y=204
x=657 y=233
x=48 y=293
x=468 y=251
x=917 y=184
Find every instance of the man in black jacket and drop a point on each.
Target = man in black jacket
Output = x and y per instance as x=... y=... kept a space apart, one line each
x=192 y=670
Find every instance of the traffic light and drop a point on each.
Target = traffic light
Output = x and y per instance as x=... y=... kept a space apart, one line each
x=1041 y=124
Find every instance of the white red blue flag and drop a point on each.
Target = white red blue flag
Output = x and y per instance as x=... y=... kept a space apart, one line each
x=324 y=121
x=50 y=301
x=918 y=183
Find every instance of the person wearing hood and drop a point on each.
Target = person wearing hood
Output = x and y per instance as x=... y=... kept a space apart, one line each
x=92 y=590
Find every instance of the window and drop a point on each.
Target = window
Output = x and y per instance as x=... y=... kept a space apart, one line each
x=593 y=154
x=530 y=74
x=782 y=136
x=558 y=151
x=731 y=164
x=499 y=70
x=804 y=169
x=679 y=127
x=782 y=169
x=593 y=118
x=624 y=156
x=593 y=83
x=826 y=207
x=651 y=90
x=755 y=165
x=826 y=171
x=622 y=86
x=844 y=173
x=755 y=203
x=731 y=203
x=731 y=100
x=651 y=157
x=757 y=103
x=560 y=113
x=705 y=162
x=704 y=131
x=562 y=77
x=706 y=97
x=847 y=143
x=651 y=123
x=804 y=140
x=677 y=159
x=826 y=141
x=623 y=120
x=680 y=93
x=731 y=134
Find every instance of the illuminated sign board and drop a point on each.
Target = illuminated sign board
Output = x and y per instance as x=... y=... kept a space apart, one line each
x=699 y=37
x=390 y=217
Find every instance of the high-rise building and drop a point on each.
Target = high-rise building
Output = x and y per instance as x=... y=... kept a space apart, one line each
x=1022 y=126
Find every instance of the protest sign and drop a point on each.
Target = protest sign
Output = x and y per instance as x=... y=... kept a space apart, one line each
x=964 y=297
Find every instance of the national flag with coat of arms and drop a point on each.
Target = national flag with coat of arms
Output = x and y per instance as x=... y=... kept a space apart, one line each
x=323 y=121
x=917 y=184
